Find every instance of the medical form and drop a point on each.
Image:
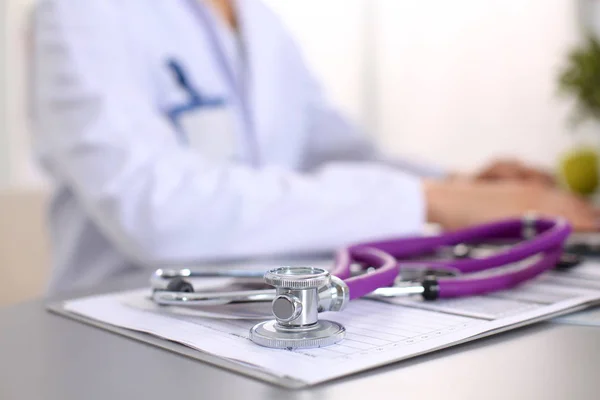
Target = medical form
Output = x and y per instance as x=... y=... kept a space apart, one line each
x=378 y=333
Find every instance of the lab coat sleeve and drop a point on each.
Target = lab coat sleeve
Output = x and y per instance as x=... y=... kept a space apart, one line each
x=99 y=132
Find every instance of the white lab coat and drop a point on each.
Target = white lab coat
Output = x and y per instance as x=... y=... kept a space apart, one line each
x=293 y=177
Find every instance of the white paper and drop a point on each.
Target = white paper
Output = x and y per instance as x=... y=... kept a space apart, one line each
x=378 y=333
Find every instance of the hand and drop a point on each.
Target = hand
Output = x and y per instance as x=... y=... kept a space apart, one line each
x=503 y=170
x=458 y=204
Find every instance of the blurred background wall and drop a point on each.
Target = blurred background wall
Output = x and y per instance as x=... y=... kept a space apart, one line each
x=453 y=82
x=462 y=81
x=20 y=169
x=3 y=97
x=24 y=249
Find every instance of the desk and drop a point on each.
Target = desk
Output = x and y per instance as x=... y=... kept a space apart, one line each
x=44 y=356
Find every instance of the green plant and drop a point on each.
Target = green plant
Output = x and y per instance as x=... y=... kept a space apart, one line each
x=581 y=79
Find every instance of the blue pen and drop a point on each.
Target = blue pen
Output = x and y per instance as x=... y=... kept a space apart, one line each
x=196 y=99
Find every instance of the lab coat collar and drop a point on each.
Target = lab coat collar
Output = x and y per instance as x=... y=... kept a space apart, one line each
x=256 y=34
x=259 y=32
x=220 y=33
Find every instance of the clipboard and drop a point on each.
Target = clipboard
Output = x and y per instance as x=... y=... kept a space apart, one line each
x=263 y=374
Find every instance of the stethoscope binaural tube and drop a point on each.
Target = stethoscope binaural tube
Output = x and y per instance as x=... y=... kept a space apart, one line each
x=544 y=238
x=385 y=274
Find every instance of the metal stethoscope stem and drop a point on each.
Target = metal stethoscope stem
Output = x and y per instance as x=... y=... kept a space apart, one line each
x=176 y=298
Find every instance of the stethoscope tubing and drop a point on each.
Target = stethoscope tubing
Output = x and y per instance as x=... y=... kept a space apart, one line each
x=383 y=257
x=553 y=234
x=386 y=270
x=548 y=245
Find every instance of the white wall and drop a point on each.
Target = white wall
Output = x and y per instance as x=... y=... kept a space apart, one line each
x=334 y=37
x=22 y=170
x=455 y=82
x=589 y=15
x=464 y=80
x=4 y=152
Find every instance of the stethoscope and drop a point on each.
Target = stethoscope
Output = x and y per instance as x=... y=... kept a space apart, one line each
x=377 y=270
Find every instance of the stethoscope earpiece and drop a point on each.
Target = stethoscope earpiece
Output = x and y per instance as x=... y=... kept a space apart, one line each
x=180 y=285
x=568 y=261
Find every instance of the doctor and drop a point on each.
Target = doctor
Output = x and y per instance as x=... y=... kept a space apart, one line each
x=189 y=130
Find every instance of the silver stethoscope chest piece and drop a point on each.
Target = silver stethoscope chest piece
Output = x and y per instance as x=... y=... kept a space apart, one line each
x=301 y=293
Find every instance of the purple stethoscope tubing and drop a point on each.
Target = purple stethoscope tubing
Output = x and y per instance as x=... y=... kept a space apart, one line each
x=386 y=257
x=361 y=285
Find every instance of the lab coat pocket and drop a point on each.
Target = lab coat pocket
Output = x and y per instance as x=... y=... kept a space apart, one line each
x=210 y=131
